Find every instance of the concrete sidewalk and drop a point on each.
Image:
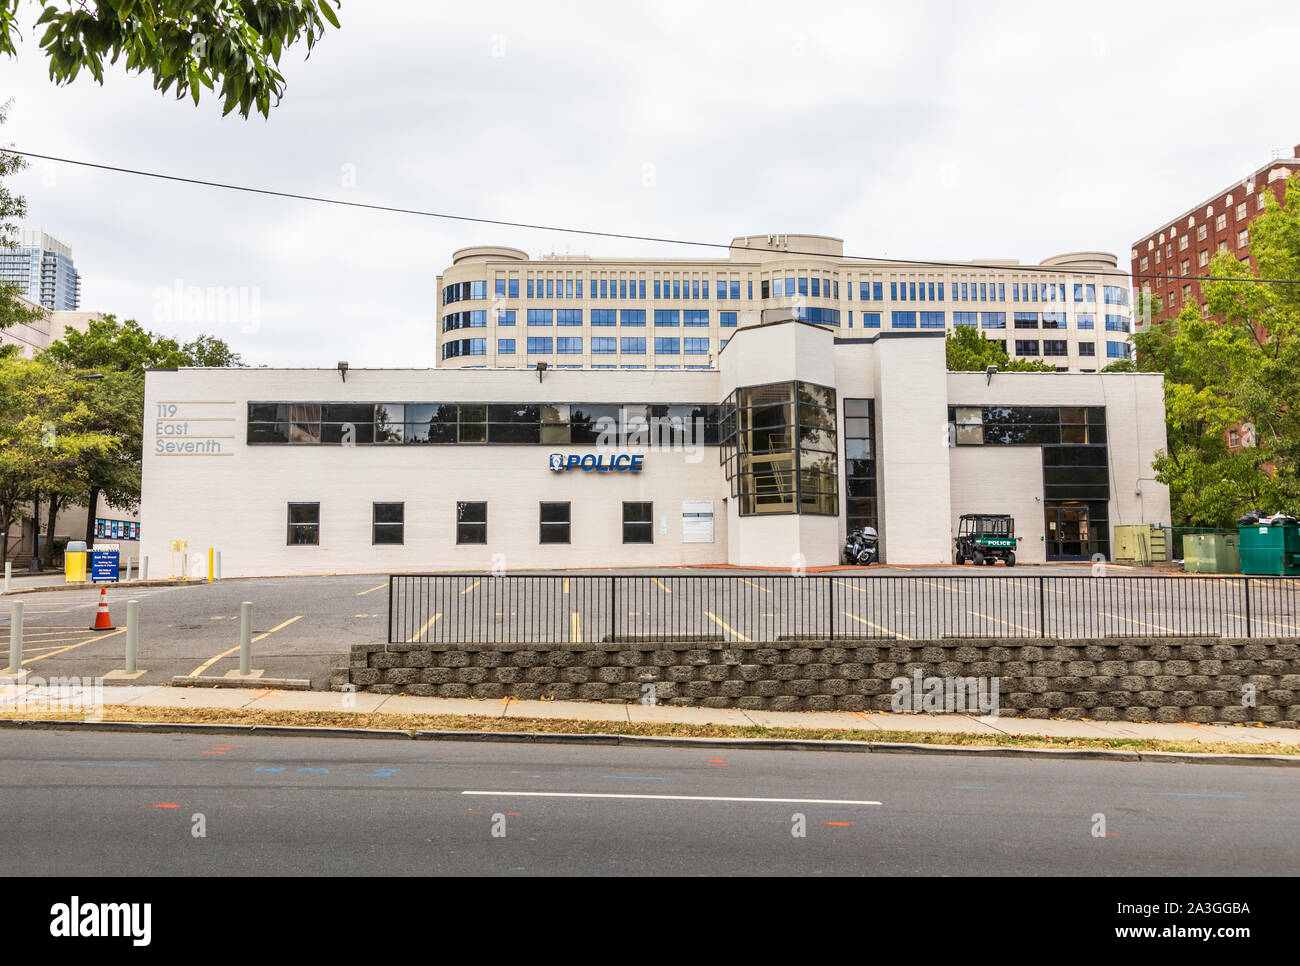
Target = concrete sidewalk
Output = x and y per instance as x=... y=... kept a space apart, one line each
x=23 y=697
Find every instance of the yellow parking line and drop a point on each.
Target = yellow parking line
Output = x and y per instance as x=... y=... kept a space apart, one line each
x=427 y=624
x=726 y=627
x=876 y=626
x=566 y=585
x=471 y=587
x=921 y=580
x=765 y=590
x=373 y=589
x=28 y=638
x=91 y=640
x=575 y=627
x=211 y=661
x=666 y=588
x=1260 y=620
x=1032 y=630
x=1167 y=630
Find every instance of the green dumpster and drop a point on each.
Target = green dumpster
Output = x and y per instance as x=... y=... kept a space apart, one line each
x=1211 y=553
x=1270 y=550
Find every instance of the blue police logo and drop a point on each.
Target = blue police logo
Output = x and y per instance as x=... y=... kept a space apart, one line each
x=557 y=461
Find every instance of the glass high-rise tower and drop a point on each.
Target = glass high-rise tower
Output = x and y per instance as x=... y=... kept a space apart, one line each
x=41 y=265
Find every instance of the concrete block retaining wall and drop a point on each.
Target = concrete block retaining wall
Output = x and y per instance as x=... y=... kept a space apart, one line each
x=1153 y=679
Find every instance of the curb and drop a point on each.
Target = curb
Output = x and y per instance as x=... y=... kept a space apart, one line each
x=90 y=585
x=214 y=681
x=759 y=744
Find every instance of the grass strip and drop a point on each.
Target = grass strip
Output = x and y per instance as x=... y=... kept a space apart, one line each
x=497 y=723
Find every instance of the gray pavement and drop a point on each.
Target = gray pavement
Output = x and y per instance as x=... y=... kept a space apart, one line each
x=85 y=803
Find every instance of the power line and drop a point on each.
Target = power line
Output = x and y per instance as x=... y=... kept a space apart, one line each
x=1043 y=269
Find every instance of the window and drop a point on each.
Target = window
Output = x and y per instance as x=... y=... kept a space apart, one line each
x=727 y=319
x=603 y=346
x=1087 y=348
x=633 y=347
x=389 y=523
x=568 y=316
x=554 y=521
x=638 y=523
x=667 y=347
x=1243 y=238
x=859 y=464
x=505 y=347
x=1146 y=263
x=932 y=320
x=568 y=346
x=1117 y=350
x=1026 y=347
x=667 y=317
x=1116 y=295
x=1053 y=320
x=631 y=317
x=871 y=320
x=695 y=317
x=1116 y=323
x=965 y=318
x=904 y=320
x=1026 y=320
x=696 y=347
x=505 y=316
x=1187 y=293
x=471 y=522
x=993 y=320
x=1055 y=347
x=464 y=347
x=539 y=316
x=1186 y=265
x=304 y=525
x=1201 y=232
x=539 y=346
x=1223 y=245
x=604 y=316
x=1221 y=222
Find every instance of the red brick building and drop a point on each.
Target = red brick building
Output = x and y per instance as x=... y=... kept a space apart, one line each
x=1165 y=260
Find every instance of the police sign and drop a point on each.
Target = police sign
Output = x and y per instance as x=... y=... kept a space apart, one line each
x=603 y=462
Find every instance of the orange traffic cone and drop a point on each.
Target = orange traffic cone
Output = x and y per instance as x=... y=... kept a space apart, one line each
x=103 y=622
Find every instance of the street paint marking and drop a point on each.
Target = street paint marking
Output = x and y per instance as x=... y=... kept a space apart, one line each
x=766 y=590
x=471 y=587
x=211 y=661
x=566 y=585
x=115 y=764
x=1260 y=620
x=987 y=788
x=373 y=589
x=1032 y=630
x=635 y=778
x=427 y=624
x=575 y=627
x=876 y=626
x=726 y=627
x=166 y=805
x=102 y=637
x=680 y=798
x=1197 y=795
x=955 y=590
x=839 y=823
x=1167 y=630
x=666 y=588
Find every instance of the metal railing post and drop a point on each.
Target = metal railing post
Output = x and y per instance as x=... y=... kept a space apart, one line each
x=1246 y=580
x=830 y=588
x=1042 y=609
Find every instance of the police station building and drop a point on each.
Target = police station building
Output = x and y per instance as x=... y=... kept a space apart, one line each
x=795 y=433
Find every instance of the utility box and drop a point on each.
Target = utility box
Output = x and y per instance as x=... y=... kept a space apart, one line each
x=1211 y=553
x=1141 y=543
x=1272 y=551
x=74 y=562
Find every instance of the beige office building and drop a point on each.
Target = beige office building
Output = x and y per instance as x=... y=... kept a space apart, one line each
x=497 y=308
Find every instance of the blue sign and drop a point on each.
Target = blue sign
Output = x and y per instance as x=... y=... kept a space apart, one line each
x=103 y=566
x=603 y=462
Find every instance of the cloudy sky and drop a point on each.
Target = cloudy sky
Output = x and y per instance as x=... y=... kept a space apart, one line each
x=920 y=130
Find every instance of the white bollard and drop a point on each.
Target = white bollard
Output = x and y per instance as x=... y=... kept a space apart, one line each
x=16 y=637
x=9 y=572
x=132 y=634
x=144 y=568
x=218 y=574
x=128 y=569
x=246 y=637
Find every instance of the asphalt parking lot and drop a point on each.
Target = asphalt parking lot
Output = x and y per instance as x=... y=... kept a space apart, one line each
x=302 y=624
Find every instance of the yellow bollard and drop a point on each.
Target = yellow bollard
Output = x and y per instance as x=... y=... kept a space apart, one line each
x=209 y=565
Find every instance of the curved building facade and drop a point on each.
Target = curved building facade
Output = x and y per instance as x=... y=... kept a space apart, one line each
x=497 y=308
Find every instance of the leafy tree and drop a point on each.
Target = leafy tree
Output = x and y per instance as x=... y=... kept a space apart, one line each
x=970 y=350
x=1240 y=365
x=13 y=208
x=47 y=438
x=191 y=44
x=120 y=352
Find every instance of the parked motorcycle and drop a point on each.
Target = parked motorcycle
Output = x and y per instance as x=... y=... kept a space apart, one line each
x=860 y=546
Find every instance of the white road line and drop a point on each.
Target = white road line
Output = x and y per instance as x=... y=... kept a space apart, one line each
x=680 y=798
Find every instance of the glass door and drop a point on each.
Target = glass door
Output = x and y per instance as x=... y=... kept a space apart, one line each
x=1067 y=532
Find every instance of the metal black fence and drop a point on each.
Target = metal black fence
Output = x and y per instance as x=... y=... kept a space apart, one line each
x=482 y=608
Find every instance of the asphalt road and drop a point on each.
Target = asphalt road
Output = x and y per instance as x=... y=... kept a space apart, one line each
x=86 y=803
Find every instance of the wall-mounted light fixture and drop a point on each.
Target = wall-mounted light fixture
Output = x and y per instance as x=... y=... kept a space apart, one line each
x=343 y=371
x=541 y=370
x=989 y=372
